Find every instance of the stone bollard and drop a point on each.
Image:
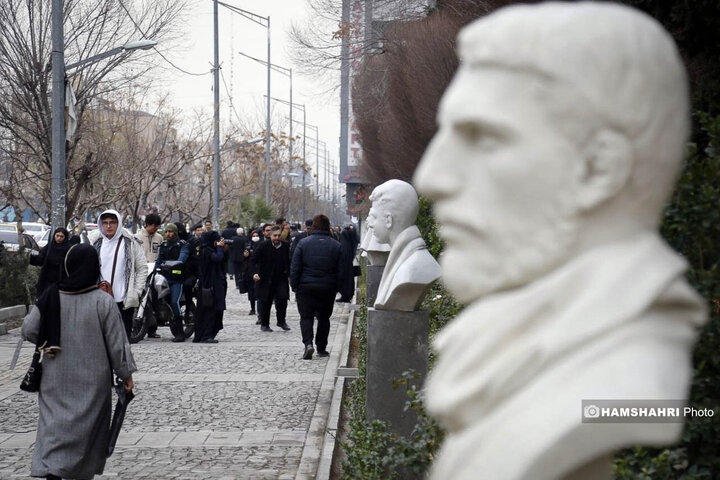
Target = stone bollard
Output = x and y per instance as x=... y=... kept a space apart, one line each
x=397 y=342
x=373 y=276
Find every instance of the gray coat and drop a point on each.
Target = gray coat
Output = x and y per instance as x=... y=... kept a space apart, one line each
x=75 y=396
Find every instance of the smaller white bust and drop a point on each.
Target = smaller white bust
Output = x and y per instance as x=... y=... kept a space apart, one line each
x=410 y=268
x=376 y=252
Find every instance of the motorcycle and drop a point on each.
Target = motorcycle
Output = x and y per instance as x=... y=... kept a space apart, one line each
x=155 y=310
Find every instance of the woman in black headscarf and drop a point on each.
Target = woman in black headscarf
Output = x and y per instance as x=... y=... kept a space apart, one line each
x=51 y=258
x=212 y=288
x=81 y=328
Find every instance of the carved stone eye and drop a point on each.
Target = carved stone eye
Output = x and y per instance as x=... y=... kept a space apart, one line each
x=470 y=131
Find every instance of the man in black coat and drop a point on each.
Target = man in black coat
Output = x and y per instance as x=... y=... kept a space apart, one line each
x=315 y=277
x=296 y=239
x=271 y=264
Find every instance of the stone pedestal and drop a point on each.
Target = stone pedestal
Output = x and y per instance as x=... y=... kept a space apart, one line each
x=397 y=342
x=373 y=275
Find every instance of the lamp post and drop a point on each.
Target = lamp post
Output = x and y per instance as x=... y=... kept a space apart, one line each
x=288 y=73
x=305 y=125
x=317 y=157
x=263 y=22
x=58 y=187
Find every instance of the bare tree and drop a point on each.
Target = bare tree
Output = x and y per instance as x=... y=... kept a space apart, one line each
x=91 y=27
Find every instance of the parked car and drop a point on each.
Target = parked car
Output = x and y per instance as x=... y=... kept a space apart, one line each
x=8 y=227
x=35 y=229
x=44 y=239
x=10 y=241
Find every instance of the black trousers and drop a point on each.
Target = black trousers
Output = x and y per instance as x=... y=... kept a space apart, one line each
x=264 y=306
x=315 y=303
x=127 y=318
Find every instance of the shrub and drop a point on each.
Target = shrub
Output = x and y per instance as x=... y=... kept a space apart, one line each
x=17 y=280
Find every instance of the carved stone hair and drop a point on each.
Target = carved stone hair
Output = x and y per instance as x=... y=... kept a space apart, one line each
x=629 y=79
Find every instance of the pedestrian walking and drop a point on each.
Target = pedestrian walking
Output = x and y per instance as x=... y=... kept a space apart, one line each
x=315 y=277
x=84 y=325
x=300 y=236
x=212 y=288
x=348 y=243
x=151 y=241
x=271 y=266
x=238 y=254
x=149 y=237
x=122 y=263
x=255 y=240
x=51 y=258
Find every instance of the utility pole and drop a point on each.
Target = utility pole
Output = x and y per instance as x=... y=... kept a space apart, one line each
x=57 y=213
x=216 y=120
x=267 y=121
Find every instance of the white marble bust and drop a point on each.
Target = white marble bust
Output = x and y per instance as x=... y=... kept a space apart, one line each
x=376 y=252
x=410 y=268
x=560 y=139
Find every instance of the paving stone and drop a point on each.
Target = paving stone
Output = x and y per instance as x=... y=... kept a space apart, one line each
x=239 y=409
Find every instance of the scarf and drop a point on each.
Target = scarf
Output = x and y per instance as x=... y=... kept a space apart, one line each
x=83 y=269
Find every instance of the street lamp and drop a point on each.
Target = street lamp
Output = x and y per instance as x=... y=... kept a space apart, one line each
x=302 y=107
x=128 y=47
x=58 y=190
x=288 y=73
x=263 y=22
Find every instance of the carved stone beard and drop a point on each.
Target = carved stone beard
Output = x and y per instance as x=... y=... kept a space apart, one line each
x=512 y=254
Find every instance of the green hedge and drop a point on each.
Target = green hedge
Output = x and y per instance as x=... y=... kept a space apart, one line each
x=17 y=278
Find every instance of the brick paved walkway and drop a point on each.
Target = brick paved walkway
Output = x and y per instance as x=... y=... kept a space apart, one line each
x=246 y=408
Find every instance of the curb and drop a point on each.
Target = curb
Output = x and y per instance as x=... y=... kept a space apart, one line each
x=9 y=313
x=330 y=443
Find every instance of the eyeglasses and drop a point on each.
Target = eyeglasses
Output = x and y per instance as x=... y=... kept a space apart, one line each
x=107 y=223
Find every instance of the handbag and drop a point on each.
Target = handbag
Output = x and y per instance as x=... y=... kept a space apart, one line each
x=356 y=271
x=31 y=380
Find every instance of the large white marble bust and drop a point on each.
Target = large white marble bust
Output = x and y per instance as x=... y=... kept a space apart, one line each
x=560 y=139
x=410 y=268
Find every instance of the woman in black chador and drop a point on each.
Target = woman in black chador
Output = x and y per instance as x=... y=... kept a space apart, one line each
x=51 y=259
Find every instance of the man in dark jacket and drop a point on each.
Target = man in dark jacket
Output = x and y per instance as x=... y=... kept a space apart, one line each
x=315 y=276
x=296 y=239
x=174 y=249
x=271 y=264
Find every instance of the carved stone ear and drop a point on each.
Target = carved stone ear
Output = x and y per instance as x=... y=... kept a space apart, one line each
x=604 y=168
x=388 y=220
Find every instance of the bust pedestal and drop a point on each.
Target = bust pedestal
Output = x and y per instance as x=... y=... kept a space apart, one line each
x=397 y=342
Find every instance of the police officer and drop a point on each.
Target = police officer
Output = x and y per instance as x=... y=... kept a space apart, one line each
x=173 y=248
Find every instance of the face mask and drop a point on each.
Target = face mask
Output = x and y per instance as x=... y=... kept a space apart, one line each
x=255 y=239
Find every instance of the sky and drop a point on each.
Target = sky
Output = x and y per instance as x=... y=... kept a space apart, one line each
x=246 y=79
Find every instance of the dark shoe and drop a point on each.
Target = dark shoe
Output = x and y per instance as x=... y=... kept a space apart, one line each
x=323 y=353
x=178 y=339
x=284 y=326
x=258 y=322
x=309 y=350
x=252 y=312
x=265 y=328
x=153 y=335
x=209 y=340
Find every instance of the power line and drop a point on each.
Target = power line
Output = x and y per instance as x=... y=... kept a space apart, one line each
x=222 y=76
x=137 y=27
